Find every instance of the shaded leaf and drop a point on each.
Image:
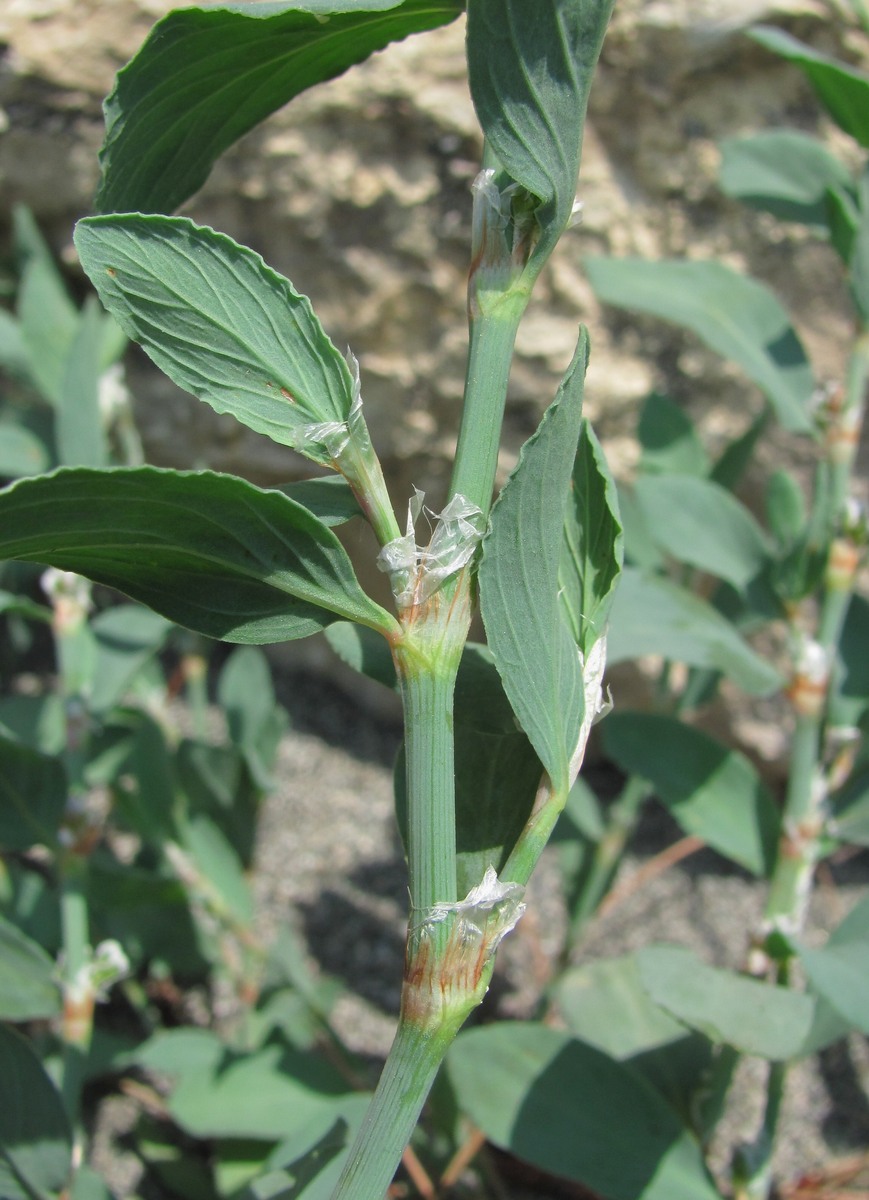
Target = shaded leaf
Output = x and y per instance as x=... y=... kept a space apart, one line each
x=209 y=551
x=783 y=172
x=35 y=1138
x=363 y=650
x=21 y=452
x=330 y=498
x=550 y=1099
x=81 y=441
x=28 y=989
x=668 y=439
x=33 y=789
x=256 y=720
x=839 y=970
x=653 y=616
x=714 y=793
x=735 y=316
x=843 y=90
x=220 y=323
x=205 y=76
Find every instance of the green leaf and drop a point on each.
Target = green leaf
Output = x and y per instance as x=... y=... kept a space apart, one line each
x=209 y=551
x=497 y=771
x=858 y=256
x=533 y=647
x=839 y=970
x=785 y=508
x=33 y=790
x=220 y=323
x=28 y=989
x=783 y=172
x=592 y=549
x=605 y=1004
x=714 y=793
x=205 y=76
x=755 y=1017
x=551 y=1100
x=14 y=359
x=700 y=523
x=530 y=78
x=653 y=616
x=843 y=90
x=330 y=498
x=256 y=720
x=364 y=651
x=127 y=636
x=268 y=1094
x=735 y=316
x=307 y=1165
x=21 y=452
x=35 y=1138
x=221 y=875
x=80 y=438
x=49 y=322
x=668 y=439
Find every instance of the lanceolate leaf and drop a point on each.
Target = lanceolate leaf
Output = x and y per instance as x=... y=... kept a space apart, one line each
x=35 y=1138
x=736 y=316
x=220 y=323
x=843 y=90
x=28 y=989
x=209 y=551
x=838 y=971
x=533 y=647
x=550 y=1099
x=712 y=792
x=650 y=615
x=205 y=76
x=783 y=172
x=530 y=78
x=591 y=557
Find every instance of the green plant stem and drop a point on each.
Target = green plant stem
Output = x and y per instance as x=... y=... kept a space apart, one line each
x=414 y=1060
x=492 y=337
x=78 y=998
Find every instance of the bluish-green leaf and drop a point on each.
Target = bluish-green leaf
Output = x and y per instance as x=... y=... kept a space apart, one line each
x=650 y=615
x=205 y=76
x=21 y=451
x=81 y=440
x=570 y=1109
x=734 y=315
x=256 y=720
x=700 y=523
x=858 y=256
x=127 y=636
x=364 y=651
x=35 y=1138
x=842 y=89
x=307 y=1165
x=220 y=323
x=714 y=793
x=49 y=322
x=669 y=440
x=838 y=971
x=592 y=550
x=33 y=790
x=756 y=1017
x=530 y=74
x=28 y=988
x=783 y=172
x=221 y=881
x=533 y=646
x=209 y=551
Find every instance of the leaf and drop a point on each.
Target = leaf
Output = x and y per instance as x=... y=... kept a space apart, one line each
x=843 y=90
x=839 y=970
x=497 y=772
x=35 y=1138
x=755 y=1017
x=205 y=76
x=307 y=1165
x=653 y=616
x=668 y=439
x=783 y=172
x=858 y=255
x=49 y=322
x=329 y=497
x=28 y=990
x=530 y=81
x=209 y=551
x=592 y=549
x=364 y=651
x=714 y=793
x=256 y=720
x=21 y=452
x=700 y=523
x=735 y=316
x=127 y=636
x=605 y=1004
x=220 y=323
x=14 y=359
x=221 y=876
x=531 y=643
x=80 y=437
x=33 y=789
x=551 y=1100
